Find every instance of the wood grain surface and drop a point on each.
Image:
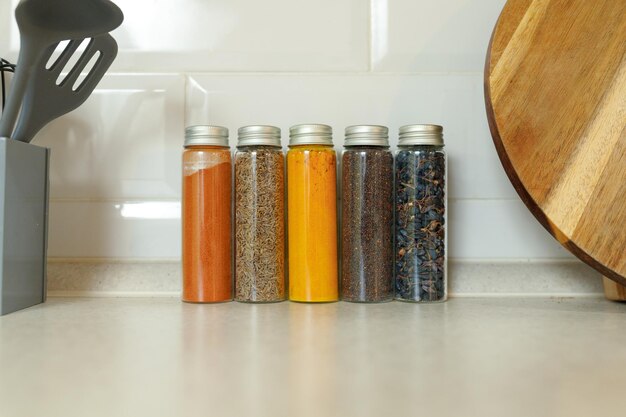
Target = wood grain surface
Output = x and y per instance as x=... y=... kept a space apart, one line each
x=614 y=291
x=555 y=85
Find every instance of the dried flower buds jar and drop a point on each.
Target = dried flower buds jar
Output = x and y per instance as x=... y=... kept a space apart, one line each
x=259 y=215
x=312 y=214
x=420 y=209
x=367 y=215
x=206 y=215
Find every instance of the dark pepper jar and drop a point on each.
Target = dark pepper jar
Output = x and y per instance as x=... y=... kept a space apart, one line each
x=420 y=211
x=367 y=216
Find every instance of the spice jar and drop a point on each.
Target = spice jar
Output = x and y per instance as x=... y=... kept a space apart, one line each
x=420 y=182
x=312 y=214
x=259 y=215
x=367 y=215
x=206 y=215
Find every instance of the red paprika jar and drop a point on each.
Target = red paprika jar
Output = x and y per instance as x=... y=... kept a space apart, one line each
x=206 y=215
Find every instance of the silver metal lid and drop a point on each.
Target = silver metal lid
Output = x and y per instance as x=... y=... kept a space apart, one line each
x=367 y=135
x=311 y=134
x=259 y=135
x=206 y=135
x=421 y=135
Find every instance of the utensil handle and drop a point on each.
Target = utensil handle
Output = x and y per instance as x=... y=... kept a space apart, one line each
x=23 y=71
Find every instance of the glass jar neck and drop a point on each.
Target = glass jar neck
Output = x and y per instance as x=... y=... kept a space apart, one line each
x=312 y=145
x=420 y=147
x=366 y=147
x=216 y=147
x=255 y=147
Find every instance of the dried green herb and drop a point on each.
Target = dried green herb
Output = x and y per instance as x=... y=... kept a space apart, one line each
x=420 y=224
x=259 y=225
x=367 y=225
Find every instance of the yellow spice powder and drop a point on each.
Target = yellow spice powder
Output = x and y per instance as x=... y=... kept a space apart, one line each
x=312 y=222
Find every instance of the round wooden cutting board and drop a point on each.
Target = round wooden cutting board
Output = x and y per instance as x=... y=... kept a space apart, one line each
x=555 y=85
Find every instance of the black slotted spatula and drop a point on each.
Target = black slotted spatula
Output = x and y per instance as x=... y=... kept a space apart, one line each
x=44 y=23
x=45 y=100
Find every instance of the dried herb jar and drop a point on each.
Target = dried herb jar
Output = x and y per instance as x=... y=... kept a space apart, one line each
x=420 y=209
x=259 y=215
x=367 y=215
x=206 y=215
x=312 y=214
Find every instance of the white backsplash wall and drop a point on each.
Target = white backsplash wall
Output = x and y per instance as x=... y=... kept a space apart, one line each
x=115 y=174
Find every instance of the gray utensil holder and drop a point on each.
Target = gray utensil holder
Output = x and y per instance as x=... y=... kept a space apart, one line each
x=24 y=187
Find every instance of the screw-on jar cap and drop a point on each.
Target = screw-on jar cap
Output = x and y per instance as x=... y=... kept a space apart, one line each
x=367 y=135
x=421 y=135
x=259 y=135
x=206 y=135
x=310 y=135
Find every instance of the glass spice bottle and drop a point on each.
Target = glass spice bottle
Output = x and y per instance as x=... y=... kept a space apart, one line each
x=259 y=216
x=420 y=183
x=367 y=215
x=206 y=215
x=312 y=214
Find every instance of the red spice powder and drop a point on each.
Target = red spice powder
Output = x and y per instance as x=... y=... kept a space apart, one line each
x=207 y=225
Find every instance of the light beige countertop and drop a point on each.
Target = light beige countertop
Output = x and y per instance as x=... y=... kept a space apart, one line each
x=467 y=357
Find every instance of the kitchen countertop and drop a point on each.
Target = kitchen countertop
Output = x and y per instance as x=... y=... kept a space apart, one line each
x=160 y=357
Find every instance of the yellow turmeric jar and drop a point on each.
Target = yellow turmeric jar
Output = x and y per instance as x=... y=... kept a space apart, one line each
x=312 y=214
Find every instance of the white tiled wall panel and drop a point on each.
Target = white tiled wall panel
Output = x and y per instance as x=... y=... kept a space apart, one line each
x=123 y=143
x=240 y=35
x=478 y=229
x=432 y=36
x=123 y=230
x=455 y=101
x=115 y=177
x=498 y=229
